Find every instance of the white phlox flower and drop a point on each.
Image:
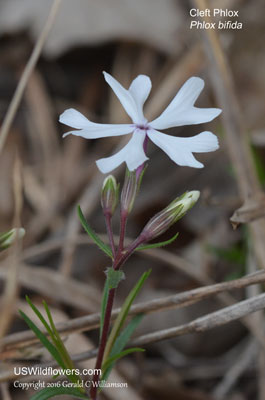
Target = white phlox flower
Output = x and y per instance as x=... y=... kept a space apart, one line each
x=180 y=111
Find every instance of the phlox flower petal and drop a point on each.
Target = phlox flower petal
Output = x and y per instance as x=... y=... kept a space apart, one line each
x=180 y=149
x=125 y=97
x=181 y=110
x=132 y=154
x=140 y=89
x=91 y=130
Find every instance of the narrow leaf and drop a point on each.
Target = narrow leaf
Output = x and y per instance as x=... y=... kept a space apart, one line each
x=123 y=314
x=120 y=343
x=58 y=341
x=40 y=316
x=126 y=334
x=112 y=281
x=105 y=248
x=43 y=339
x=49 y=393
x=62 y=349
x=58 y=345
x=123 y=353
x=160 y=244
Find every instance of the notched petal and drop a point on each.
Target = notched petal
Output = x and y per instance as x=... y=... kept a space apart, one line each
x=181 y=110
x=123 y=95
x=181 y=150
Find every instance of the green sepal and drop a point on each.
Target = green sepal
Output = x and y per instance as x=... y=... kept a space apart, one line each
x=159 y=244
x=104 y=247
x=5 y=236
x=8 y=238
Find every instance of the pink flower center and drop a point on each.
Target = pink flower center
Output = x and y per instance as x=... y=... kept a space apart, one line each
x=142 y=127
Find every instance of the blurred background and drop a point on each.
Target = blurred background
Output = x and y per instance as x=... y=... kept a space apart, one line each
x=43 y=177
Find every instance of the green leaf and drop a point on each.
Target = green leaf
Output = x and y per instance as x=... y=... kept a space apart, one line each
x=123 y=314
x=62 y=349
x=126 y=334
x=121 y=342
x=49 y=393
x=57 y=349
x=57 y=339
x=114 y=277
x=5 y=235
x=112 y=281
x=8 y=238
x=43 y=339
x=40 y=316
x=105 y=248
x=112 y=359
x=160 y=244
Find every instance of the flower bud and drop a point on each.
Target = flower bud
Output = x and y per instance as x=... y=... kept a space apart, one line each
x=162 y=221
x=109 y=195
x=8 y=238
x=129 y=191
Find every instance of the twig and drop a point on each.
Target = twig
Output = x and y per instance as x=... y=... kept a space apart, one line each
x=172 y=260
x=207 y=322
x=233 y=373
x=5 y=392
x=22 y=339
x=8 y=299
x=202 y=324
x=26 y=73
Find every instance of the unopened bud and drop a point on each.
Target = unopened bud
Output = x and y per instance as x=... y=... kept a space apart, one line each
x=129 y=191
x=162 y=221
x=109 y=195
x=8 y=238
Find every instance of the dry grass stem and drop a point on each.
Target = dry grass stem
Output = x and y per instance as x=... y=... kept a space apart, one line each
x=184 y=299
x=26 y=74
x=201 y=324
x=9 y=297
x=237 y=139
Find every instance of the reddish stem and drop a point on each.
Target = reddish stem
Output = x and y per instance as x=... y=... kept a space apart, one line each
x=103 y=342
x=124 y=216
x=120 y=257
x=118 y=263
